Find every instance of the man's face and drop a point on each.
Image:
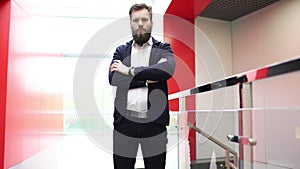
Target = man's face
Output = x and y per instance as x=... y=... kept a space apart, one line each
x=141 y=25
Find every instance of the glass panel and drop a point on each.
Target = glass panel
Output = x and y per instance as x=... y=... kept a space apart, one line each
x=217 y=125
x=182 y=141
x=217 y=116
x=276 y=122
x=277 y=135
x=269 y=116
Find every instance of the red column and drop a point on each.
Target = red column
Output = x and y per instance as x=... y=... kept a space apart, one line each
x=4 y=40
x=179 y=32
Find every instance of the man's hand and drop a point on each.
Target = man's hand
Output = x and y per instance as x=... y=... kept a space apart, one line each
x=119 y=67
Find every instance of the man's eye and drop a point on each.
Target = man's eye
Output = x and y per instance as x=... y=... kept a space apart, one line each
x=142 y=19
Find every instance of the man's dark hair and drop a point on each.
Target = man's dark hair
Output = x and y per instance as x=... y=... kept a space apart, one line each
x=137 y=7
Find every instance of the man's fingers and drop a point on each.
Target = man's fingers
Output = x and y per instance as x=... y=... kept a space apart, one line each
x=117 y=61
x=114 y=67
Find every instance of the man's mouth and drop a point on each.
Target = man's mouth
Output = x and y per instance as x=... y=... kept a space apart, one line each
x=140 y=31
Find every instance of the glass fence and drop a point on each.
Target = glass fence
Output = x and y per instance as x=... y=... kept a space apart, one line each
x=250 y=120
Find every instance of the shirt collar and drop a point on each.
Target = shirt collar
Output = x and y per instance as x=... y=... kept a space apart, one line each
x=149 y=42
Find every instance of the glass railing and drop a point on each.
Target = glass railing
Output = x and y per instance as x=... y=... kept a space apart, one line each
x=250 y=120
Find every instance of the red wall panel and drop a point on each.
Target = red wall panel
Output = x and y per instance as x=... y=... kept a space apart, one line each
x=4 y=40
x=182 y=42
x=179 y=31
x=34 y=112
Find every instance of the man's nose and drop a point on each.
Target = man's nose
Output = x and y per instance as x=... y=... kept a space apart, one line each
x=140 y=23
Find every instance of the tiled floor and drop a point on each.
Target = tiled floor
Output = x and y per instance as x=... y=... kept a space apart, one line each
x=78 y=152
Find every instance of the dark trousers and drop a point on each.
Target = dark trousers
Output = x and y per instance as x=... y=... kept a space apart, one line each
x=150 y=136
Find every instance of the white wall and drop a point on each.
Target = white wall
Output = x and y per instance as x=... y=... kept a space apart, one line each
x=267 y=36
x=213 y=62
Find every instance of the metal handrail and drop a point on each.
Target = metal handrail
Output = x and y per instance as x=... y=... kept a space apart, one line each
x=219 y=143
x=246 y=77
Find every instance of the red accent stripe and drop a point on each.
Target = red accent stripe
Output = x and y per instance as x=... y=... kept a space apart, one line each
x=261 y=73
x=257 y=74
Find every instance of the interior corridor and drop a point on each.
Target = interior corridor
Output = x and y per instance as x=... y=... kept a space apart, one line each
x=77 y=151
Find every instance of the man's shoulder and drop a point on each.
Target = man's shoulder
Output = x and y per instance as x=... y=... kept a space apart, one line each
x=124 y=46
x=159 y=44
x=128 y=43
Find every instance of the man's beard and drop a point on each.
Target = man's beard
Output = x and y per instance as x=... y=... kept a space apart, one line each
x=142 y=38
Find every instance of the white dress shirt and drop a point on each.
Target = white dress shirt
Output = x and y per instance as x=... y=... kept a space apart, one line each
x=137 y=99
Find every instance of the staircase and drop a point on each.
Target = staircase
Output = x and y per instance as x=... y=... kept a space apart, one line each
x=205 y=163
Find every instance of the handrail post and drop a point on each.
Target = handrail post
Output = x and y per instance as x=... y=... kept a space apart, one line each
x=182 y=104
x=245 y=124
x=227 y=159
x=183 y=158
x=240 y=126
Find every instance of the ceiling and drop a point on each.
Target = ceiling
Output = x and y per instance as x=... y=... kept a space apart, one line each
x=230 y=10
x=227 y=10
x=102 y=9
